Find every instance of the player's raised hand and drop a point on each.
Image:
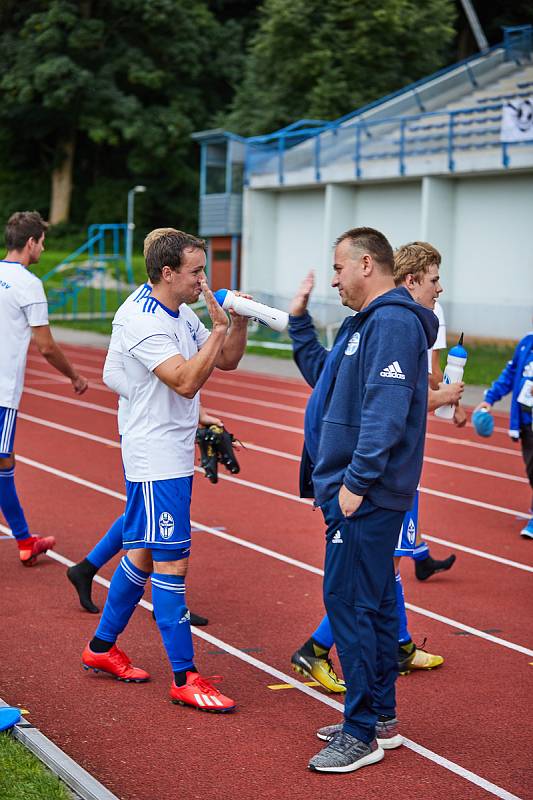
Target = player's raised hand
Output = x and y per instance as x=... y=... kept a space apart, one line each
x=216 y=312
x=301 y=299
x=79 y=384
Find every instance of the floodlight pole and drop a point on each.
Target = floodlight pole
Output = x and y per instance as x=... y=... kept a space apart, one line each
x=130 y=228
x=475 y=25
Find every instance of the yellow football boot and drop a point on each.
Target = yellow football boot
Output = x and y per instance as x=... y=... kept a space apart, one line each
x=412 y=657
x=319 y=668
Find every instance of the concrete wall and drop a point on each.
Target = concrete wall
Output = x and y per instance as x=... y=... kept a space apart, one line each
x=483 y=227
x=492 y=258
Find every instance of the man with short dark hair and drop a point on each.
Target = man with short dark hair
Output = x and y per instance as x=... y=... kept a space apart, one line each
x=23 y=315
x=364 y=438
x=168 y=355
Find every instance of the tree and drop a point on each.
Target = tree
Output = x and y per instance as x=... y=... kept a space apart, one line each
x=110 y=89
x=321 y=60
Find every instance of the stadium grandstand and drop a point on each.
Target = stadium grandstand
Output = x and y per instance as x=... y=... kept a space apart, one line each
x=448 y=159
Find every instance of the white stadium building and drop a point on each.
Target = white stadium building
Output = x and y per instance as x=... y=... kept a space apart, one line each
x=448 y=160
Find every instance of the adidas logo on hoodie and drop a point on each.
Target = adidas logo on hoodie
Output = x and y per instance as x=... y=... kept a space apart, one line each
x=393 y=371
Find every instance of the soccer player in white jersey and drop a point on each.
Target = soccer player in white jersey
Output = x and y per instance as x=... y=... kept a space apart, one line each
x=81 y=575
x=168 y=356
x=23 y=316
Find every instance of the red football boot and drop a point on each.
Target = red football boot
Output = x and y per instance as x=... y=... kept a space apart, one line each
x=115 y=662
x=32 y=547
x=199 y=693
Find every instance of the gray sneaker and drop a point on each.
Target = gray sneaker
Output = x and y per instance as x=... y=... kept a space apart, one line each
x=345 y=753
x=387 y=734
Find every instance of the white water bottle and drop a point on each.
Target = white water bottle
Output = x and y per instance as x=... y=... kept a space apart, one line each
x=271 y=317
x=453 y=373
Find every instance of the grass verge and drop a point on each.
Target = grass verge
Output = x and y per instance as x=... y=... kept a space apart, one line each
x=22 y=775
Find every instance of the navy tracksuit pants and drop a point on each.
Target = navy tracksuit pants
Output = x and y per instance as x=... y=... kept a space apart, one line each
x=360 y=599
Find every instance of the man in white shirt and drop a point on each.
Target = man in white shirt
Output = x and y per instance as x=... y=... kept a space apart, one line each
x=168 y=355
x=81 y=575
x=23 y=315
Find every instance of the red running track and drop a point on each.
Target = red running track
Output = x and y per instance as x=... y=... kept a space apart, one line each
x=258 y=579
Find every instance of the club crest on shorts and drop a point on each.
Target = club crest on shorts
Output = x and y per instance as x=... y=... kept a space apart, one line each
x=353 y=344
x=411 y=532
x=166 y=525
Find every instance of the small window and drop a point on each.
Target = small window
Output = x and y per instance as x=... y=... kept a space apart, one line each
x=222 y=255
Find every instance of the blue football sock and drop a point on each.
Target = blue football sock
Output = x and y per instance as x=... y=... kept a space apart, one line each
x=109 y=545
x=9 y=503
x=323 y=634
x=404 y=635
x=172 y=617
x=421 y=552
x=127 y=588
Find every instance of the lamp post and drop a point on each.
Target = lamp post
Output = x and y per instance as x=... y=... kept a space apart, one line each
x=131 y=228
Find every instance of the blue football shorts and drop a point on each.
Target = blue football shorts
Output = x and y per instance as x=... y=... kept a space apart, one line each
x=8 y=423
x=158 y=517
x=406 y=543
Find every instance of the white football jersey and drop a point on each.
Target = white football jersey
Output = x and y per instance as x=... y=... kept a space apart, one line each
x=132 y=303
x=23 y=305
x=158 y=437
x=440 y=341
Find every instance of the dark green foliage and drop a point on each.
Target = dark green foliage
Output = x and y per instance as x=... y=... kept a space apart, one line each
x=127 y=81
x=322 y=60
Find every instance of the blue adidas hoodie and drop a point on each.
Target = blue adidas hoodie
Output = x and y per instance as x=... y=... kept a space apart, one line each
x=512 y=379
x=365 y=421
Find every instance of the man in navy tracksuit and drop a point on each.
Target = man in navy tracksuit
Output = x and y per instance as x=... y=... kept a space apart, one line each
x=364 y=438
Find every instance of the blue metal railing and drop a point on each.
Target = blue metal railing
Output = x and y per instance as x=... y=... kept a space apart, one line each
x=389 y=138
x=277 y=152
x=72 y=286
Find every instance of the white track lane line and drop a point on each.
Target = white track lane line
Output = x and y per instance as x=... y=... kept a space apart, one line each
x=93 y=385
x=215 y=378
x=282 y=677
x=476 y=445
x=112 y=443
x=254 y=421
x=99 y=386
x=271 y=553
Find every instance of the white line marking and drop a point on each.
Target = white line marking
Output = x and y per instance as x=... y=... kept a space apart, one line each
x=499 y=559
x=251 y=401
x=275 y=426
x=58 y=398
x=476 y=445
x=98 y=386
x=477 y=503
x=67 y=429
x=251 y=546
x=261 y=487
x=258 y=387
x=468 y=629
x=477 y=470
x=282 y=677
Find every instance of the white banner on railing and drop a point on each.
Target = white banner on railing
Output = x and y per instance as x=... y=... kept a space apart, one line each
x=517 y=121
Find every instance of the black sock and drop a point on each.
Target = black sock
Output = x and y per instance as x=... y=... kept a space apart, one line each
x=100 y=645
x=87 y=567
x=314 y=649
x=407 y=647
x=180 y=677
x=385 y=718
